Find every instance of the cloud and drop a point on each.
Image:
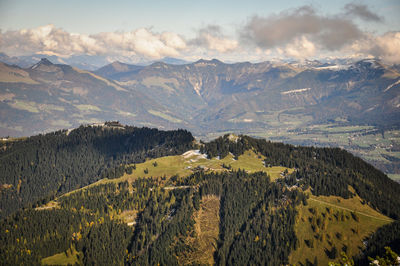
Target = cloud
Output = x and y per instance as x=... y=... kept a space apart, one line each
x=300 y=33
x=211 y=38
x=48 y=38
x=388 y=47
x=142 y=42
x=362 y=12
x=326 y=32
x=300 y=48
x=385 y=47
x=173 y=40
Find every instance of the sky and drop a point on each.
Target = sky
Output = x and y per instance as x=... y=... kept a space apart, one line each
x=251 y=30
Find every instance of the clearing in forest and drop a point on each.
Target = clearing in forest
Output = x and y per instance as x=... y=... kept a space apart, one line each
x=69 y=257
x=187 y=163
x=206 y=231
x=327 y=226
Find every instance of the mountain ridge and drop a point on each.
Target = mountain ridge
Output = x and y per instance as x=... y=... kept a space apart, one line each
x=209 y=97
x=303 y=203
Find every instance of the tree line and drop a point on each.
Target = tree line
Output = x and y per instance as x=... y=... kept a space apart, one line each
x=43 y=166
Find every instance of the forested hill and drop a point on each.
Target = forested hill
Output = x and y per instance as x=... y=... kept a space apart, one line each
x=236 y=200
x=328 y=171
x=43 y=166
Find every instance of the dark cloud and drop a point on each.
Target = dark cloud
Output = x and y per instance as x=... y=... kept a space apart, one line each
x=211 y=37
x=330 y=32
x=362 y=12
x=209 y=30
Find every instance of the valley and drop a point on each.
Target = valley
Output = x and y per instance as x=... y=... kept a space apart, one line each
x=174 y=133
x=353 y=106
x=377 y=147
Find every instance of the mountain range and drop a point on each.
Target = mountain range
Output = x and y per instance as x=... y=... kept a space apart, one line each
x=85 y=62
x=243 y=95
x=276 y=100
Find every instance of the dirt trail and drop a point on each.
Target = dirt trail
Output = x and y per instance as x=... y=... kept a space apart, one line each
x=350 y=210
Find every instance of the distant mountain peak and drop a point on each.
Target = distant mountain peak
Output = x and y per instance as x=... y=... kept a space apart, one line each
x=42 y=62
x=212 y=62
x=174 y=61
x=117 y=63
x=159 y=64
x=119 y=66
x=45 y=61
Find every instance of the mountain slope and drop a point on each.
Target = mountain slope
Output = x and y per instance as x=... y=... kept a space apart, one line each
x=325 y=104
x=115 y=69
x=48 y=96
x=351 y=105
x=324 y=201
x=237 y=92
x=43 y=166
x=212 y=96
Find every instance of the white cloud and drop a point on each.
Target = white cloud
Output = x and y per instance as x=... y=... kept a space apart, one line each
x=172 y=39
x=294 y=33
x=48 y=38
x=387 y=47
x=300 y=48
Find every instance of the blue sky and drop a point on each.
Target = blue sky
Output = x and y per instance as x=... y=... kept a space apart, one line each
x=182 y=16
x=185 y=28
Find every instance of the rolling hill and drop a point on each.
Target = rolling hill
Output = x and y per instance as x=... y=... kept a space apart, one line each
x=159 y=197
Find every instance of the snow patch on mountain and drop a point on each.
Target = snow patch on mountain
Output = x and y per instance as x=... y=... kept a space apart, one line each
x=392 y=85
x=295 y=91
x=333 y=67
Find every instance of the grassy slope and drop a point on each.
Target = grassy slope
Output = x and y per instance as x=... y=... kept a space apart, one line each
x=395 y=177
x=335 y=232
x=64 y=258
x=206 y=234
x=207 y=219
x=183 y=166
x=338 y=228
x=364 y=141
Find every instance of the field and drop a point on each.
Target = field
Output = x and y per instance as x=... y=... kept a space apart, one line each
x=327 y=221
x=165 y=116
x=394 y=176
x=70 y=257
x=184 y=165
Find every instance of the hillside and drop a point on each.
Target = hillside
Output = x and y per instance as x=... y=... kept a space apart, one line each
x=244 y=93
x=234 y=200
x=353 y=105
x=47 y=97
x=43 y=166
